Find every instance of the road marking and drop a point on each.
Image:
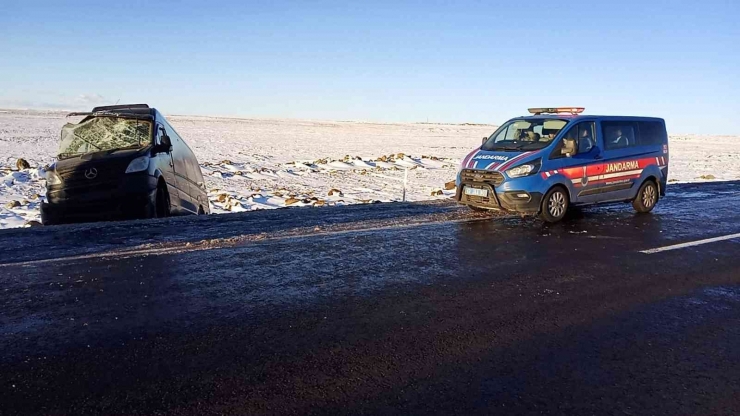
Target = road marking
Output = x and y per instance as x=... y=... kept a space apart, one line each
x=690 y=244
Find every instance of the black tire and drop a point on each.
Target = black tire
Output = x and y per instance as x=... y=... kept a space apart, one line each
x=647 y=197
x=48 y=218
x=555 y=205
x=163 y=207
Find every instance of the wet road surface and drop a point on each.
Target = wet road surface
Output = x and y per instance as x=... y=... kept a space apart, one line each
x=383 y=309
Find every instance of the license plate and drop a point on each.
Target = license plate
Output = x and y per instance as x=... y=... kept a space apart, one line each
x=476 y=192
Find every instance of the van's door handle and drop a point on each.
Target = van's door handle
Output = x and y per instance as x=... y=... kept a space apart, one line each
x=598 y=157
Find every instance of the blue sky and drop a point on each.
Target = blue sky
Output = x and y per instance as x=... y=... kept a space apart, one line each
x=479 y=62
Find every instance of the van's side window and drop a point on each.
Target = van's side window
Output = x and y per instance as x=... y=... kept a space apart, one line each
x=171 y=132
x=620 y=134
x=160 y=133
x=586 y=137
x=652 y=133
x=173 y=136
x=583 y=134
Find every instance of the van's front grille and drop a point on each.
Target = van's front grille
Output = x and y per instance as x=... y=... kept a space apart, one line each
x=483 y=176
x=105 y=171
x=90 y=188
x=479 y=200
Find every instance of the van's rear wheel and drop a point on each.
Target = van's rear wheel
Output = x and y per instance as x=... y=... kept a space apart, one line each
x=555 y=204
x=647 y=197
x=163 y=202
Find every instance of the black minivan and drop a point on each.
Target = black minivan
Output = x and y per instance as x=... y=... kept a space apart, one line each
x=122 y=162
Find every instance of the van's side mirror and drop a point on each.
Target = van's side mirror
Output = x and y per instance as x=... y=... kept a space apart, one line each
x=569 y=148
x=165 y=146
x=485 y=139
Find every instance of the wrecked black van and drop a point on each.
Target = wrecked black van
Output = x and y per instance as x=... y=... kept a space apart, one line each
x=122 y=162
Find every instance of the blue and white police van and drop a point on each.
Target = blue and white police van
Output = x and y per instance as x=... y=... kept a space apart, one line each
x=556 y=158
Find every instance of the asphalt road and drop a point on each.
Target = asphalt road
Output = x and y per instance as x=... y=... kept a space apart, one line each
x=382 y=309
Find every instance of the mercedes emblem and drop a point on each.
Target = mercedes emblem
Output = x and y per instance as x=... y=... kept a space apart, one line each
x=91 y=173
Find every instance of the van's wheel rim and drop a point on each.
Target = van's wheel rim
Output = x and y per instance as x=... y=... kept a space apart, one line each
x=556 y=204
x=649 y=195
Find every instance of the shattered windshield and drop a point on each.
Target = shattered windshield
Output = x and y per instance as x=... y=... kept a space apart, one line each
x=104 y=134
x=524 y=134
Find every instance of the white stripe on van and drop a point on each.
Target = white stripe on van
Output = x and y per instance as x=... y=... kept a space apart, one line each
x=511 y=161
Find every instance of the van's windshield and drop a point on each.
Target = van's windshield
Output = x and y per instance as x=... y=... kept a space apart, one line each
x=524 y=134
x=104 y=134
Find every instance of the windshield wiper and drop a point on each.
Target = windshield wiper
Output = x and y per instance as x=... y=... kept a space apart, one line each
x=133 y=146
x=509 y=148
x=513 y=147
x=68 y=154
x=533 y=145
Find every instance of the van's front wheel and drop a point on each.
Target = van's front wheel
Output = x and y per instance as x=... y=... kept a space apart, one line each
x=162 y=208
x=646 y=198
x=555 y=204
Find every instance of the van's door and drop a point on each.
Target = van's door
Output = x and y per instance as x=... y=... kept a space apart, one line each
x=180 y=156
x=585 y=168
x=196 y=183
x=623 y=158
x=166 y=165
x=180 y=153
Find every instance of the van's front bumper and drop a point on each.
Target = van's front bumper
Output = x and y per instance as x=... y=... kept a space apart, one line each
x=516 y=201
x=131 y=198
x=500 y=194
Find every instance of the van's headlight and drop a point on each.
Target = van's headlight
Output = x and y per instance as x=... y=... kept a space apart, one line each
x=525 y=170
x=139 y=164
x=52 y=178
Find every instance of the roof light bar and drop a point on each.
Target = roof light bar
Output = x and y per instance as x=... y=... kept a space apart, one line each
x=556 y=110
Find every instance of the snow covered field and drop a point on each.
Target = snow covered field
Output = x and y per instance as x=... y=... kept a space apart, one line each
x=260 y=164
